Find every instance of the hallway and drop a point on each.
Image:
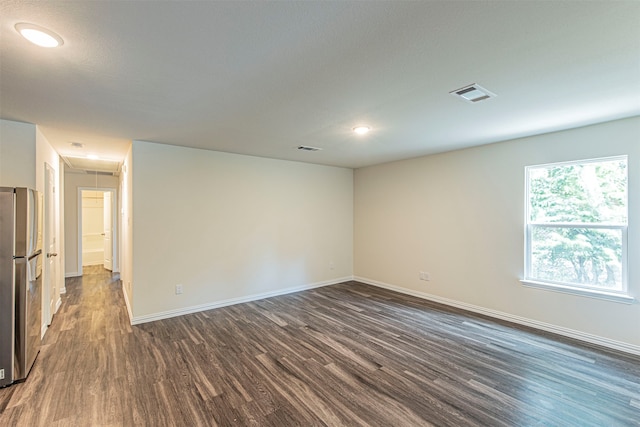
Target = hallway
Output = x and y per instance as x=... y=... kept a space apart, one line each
x=83 y=359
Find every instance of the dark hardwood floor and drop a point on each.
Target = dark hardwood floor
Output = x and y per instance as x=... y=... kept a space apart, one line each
x=348 y=354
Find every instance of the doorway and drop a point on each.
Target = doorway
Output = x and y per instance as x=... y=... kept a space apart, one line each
x=96 y=224
x=51 y=292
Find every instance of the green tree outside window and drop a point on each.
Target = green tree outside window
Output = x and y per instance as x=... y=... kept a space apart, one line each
x=577 y=223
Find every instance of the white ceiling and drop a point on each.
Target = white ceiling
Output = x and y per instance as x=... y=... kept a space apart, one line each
x=263 y=77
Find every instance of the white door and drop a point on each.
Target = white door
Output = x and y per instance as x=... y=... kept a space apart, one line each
x=51 y=272
x=108 y=241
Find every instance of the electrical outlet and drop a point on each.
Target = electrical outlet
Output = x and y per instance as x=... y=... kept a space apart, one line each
x=423 y=275
x=178 y=289
x=1 y=374
x=331 y=265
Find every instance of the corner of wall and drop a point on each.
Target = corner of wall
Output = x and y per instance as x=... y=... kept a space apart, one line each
x=126 y=230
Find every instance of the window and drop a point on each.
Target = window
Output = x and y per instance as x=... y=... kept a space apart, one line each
x=576 y=226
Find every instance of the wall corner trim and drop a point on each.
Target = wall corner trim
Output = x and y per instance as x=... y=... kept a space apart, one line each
x=559 y=330
x=232 y=301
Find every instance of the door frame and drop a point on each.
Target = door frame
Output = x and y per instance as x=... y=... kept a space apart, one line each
x=50 y=280
x=114 y=227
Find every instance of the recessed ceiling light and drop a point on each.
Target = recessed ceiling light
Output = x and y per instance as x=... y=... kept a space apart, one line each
x=361 y=130
x=38 y=35
x=93 y=156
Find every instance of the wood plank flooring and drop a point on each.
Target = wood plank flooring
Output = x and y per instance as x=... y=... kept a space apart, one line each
x=348 y=354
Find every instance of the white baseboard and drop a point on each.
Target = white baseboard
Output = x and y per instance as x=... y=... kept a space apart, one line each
x=58 y=304
x=127 y=303
x=232 y=301
x=72 y=274
x=571 y=333
x=63 y=290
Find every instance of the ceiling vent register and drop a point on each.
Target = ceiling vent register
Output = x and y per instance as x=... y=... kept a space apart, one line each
x=473 y=93
x=307 y=148
x=108 y=167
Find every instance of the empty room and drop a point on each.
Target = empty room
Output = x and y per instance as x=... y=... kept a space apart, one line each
x=319 y=213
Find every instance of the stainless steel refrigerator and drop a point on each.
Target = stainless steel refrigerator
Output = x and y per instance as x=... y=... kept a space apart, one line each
x=20 y=282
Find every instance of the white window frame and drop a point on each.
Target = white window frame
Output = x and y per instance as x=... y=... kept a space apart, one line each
x=621 y=295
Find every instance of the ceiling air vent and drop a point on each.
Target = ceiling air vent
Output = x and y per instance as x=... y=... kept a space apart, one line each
x=307 y=148
x=473 y=93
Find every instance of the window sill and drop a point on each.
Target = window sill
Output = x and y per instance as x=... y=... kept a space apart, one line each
x=608 y=296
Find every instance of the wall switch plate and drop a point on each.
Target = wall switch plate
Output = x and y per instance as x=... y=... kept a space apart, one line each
x=178 y=289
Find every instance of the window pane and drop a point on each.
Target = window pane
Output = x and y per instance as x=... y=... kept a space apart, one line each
x=592 y=192
x=578 y=256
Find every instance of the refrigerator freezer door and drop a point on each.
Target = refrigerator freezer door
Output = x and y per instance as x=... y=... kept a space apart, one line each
x=28 y=220
x=7 y=289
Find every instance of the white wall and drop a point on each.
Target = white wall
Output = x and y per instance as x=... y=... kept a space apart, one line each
x=17 y=154
x=62 y=245
x=227 y=226
x=73 y=181
x=126 y=230
x=460 y=217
